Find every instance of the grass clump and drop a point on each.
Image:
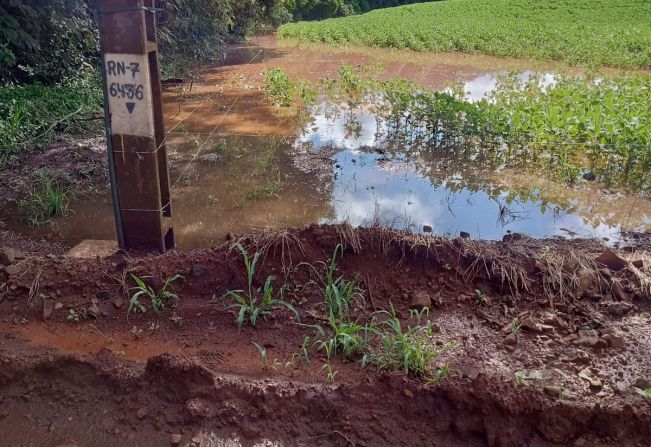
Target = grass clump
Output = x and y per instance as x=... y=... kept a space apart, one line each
x=158 y=299
x=381 y=341
x=411 y=350
x=253 y=303
x=597 y=32
x=47 y=200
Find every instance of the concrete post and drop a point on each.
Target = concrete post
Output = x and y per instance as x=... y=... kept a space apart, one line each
x=135 y=128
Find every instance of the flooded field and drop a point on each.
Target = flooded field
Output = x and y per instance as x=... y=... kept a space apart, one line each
x=239 y=164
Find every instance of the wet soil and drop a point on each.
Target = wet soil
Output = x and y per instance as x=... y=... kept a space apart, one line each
x=565 y=374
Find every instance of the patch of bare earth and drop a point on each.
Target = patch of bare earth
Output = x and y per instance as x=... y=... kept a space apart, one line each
x=553 y=341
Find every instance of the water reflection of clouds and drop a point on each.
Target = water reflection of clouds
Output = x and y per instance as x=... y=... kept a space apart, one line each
x=363 y=192
x=477 y=88
x=372 y=187
x=334 y=130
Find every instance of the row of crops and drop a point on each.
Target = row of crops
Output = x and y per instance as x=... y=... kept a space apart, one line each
x=574 y=127
x=597 y=32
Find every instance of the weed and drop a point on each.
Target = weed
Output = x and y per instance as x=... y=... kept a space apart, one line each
x=254 y=302
x=515 y=326
x=338 y=292
x=263 y=358
x=136 y=332
x=270 y=190
x=331 y=373
x=158 y=299
x=177 y=320
x=644 y=392
x=76 y=315
x=347 y=338
x=47 y=200
x=534 y=378
x=411 y=351
x=153 y=326
x=481 y=296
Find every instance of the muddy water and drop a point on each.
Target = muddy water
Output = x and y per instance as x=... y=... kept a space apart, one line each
x=238 y=164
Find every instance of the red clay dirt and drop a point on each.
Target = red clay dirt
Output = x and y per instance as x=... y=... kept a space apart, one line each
x=565 y=374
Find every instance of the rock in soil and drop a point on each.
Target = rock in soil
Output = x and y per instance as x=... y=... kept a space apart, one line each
x=175 y=439
x=594 y=381
x=611 y=260
x=142 y=412
x=9 y=256
x=48 y=308
x=420 y=300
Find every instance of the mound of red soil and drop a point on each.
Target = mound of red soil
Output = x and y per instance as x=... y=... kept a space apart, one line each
x=553 y=342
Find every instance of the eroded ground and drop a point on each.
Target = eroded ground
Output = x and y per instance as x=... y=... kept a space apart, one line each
x=552 y=346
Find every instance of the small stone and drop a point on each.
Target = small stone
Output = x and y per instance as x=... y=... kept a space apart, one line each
x=553 y=391
x=621 y=388
x=611 y=260
x=175 y=439
x=619 y=292
x=48 y=308
x=619 y=308
x=142 y=412
x=427 y=229
x=93 y=310
x=118 y=302
x=408 y=393
x=13 y=269
x=530 y=325
x=9 y=256
x=594 y=381
x=58 y=306
x=197 y=270
x=420 y=300
x=249 y=431
x=614 y=340
x=582 y=357
x=590 y=338
x=511 y=340
x=103 y=295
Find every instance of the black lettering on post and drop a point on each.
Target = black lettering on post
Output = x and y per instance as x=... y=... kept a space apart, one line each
x=135 y=68
x=110 y=66
x=121 y=68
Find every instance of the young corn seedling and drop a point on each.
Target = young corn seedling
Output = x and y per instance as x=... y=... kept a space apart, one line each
x=253 y=303
x=338 y=292
x=411 y=351
x=158 y=299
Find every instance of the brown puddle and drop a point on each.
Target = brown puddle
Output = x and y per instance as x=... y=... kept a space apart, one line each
x=88 y=339
x=238 y=164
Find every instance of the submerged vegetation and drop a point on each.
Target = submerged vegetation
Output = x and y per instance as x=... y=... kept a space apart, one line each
x=573 y=127
x=599 y=32
x=48 y=199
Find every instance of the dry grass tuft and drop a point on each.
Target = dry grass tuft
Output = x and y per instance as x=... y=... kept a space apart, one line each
x=274 y=240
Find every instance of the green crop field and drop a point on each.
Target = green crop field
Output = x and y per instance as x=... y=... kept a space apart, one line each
x=598 y=32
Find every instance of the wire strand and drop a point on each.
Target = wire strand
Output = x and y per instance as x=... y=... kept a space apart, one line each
x=214 y=130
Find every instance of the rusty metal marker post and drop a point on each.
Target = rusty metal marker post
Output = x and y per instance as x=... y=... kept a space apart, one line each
x=134 y=122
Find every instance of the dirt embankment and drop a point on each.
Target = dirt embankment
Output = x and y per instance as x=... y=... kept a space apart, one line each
x=553 y=346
